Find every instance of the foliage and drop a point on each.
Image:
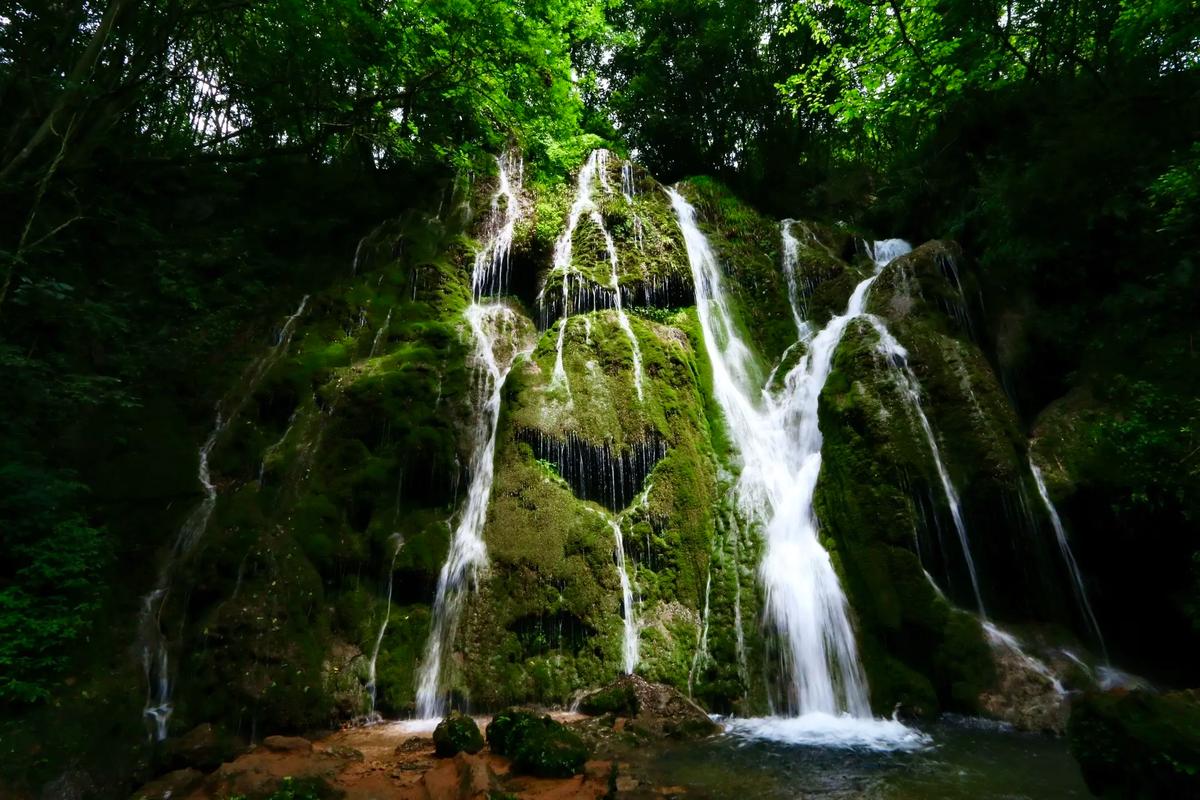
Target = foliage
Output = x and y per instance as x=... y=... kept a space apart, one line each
x=691 y=85
x=49 y=585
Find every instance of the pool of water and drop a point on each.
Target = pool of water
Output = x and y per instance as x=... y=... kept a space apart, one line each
x=963 y=759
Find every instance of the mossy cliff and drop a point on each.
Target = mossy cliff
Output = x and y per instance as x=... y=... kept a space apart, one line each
x=342 y=474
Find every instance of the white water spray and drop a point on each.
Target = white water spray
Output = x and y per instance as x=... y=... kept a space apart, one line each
x=1076 y=576
x=779 y=444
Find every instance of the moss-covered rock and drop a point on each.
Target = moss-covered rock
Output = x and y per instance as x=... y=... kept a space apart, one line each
x=1138 y=745
x=457 y=733
x=538 y=745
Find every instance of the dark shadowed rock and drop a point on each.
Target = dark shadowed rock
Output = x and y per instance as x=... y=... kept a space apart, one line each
x=1138 y=744
x=287 y=744
x=172 y=785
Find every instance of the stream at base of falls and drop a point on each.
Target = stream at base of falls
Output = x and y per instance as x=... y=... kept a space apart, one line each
x=962 y=759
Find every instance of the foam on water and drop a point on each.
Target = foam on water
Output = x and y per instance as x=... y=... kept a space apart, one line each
x=818 y=728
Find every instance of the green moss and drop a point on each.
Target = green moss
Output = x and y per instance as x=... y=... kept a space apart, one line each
x=457 y=733
x=1137 y=744
x=617 y=699
x=537 y=744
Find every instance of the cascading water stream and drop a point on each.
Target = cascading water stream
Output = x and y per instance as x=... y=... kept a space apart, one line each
x=379 y=334
x=700 y=657
x=495 y=331
x=594 y=169
x=1072 y=567
x=629 y=190
x=629 y=639
x=397 y=543
x=779 y=444
x=791 y=258
x=906 y=381
x=152 y=640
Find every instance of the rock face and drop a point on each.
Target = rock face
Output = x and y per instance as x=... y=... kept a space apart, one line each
x=338 y=475
x=1026 y=694
x=651 y=708
x=287 y=744
x=1138 y=744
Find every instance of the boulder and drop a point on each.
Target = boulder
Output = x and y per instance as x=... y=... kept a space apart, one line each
x=287 y=744
x=1138 y=744
x=651 y=708
x=1027 y=695
x=204 y=747
x=537 y=745
x=457 y=733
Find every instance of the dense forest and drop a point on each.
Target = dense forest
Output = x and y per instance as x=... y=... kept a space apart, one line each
x=360 y=233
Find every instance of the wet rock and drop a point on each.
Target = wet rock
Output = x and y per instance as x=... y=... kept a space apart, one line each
x=71 y=784
x=537 y=745
x=172 y=785
x=287 y=744
x=204 y=747
x=650 y=708
x=1026 y=695
x=457 y=733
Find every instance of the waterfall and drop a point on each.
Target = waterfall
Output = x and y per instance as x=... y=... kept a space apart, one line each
x=1073 y=568
x=379 y=334
x=629 y=639
x=779 y=444
x=494 y=329
x=700 y=658
x=152 y=641
x=906 y=381
x=397 y=543
x=739 y=631
x=594 y=169
x=791 y=257
x=629 y=190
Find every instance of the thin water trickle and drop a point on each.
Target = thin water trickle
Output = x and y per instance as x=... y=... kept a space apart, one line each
x=152 y=640
x=379 y=334
x=496 y=331
x=1065 y=548
x=910 y=389
x=700 y=657
x=629 y=639
x=594 y=170
x=397 y=543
